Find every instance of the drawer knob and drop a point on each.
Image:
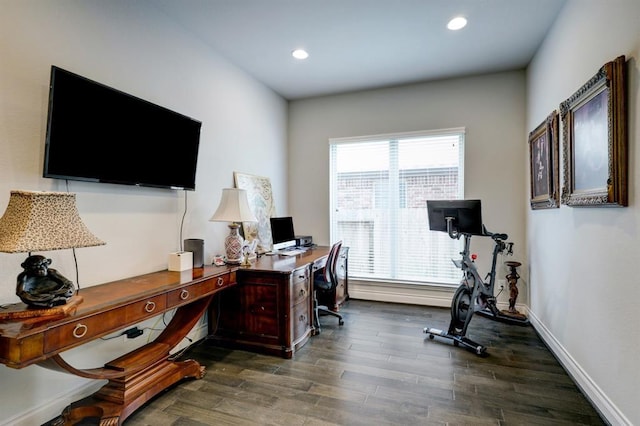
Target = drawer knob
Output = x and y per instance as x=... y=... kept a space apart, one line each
x=303 y=292
x=184 y=294
x=220 y=281
x=150 y=306
x=80 y=330
x=303 y=318
x=253 y=310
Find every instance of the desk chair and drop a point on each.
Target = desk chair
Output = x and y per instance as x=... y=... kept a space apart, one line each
x=326 y=280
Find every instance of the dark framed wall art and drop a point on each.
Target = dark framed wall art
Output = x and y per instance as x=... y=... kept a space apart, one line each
x=594 y=121
x=544 y=164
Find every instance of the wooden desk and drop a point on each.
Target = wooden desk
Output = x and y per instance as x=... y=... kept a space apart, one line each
x=139 y=375
x=271 y=309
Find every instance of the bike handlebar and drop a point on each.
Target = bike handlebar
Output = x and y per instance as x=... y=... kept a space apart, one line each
x=455 y=234
x=494 y=236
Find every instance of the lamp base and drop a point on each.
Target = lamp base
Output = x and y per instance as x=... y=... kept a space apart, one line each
x=42 y=287
x=233 y=245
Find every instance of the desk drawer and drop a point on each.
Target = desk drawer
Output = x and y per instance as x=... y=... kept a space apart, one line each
x=300 y=319
x=83 y=330
x=319 y=264
x=194 y=291
x=146 y=308
x=300 y=286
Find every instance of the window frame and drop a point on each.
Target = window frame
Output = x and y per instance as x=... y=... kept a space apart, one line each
x=459 y=132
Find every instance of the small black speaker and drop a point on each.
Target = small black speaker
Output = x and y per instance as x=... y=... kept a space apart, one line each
x=196 y=246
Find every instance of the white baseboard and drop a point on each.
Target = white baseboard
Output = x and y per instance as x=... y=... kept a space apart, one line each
x=440 y=300
x=43 y=413
x=598 y=398
x=412 y=294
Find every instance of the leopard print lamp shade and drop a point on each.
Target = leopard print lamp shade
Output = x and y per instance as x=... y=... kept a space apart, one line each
x=42 y=221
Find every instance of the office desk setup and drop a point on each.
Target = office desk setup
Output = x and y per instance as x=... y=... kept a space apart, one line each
x=271 y=311
x=266 y=307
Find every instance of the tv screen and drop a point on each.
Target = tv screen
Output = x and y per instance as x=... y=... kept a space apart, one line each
x=99 y=134
x=466 y=214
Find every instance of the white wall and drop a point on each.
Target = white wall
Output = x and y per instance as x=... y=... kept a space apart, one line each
x=490 y=107
x=583 y=261
x=587 y=316
x=133 y=47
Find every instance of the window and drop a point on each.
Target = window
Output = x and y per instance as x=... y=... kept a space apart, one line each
x=379 y=191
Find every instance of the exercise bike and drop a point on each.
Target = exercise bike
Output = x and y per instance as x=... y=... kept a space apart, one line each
x=462 y=218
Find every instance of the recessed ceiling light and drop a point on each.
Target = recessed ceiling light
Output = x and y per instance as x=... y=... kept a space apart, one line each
x=300 y=54
x=457 y=23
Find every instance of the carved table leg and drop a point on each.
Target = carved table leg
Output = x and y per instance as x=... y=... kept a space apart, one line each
x=135 y=377
x=119 y=398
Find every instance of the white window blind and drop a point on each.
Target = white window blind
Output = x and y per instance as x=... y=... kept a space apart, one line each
x=379 y=191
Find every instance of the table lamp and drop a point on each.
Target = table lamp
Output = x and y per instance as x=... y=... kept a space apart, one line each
x=43 y=221
x=233 y=208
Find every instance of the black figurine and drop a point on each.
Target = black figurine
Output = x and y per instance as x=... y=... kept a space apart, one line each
x=41 y=286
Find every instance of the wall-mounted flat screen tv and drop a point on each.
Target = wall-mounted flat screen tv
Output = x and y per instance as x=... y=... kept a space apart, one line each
x=99 y=134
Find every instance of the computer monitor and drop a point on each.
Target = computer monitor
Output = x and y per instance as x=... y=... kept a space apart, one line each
x=282 y=232
x=466 y=214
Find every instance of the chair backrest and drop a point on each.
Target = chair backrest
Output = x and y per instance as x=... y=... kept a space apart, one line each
x=330 y=269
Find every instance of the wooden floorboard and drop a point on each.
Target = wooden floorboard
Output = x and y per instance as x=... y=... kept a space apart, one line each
x=379 y=369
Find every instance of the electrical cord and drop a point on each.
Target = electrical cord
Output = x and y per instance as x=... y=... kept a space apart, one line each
x=73 y=250
x=179 y=353
x=116 y=336
x=213 y=332
x=182 y=221
x=162 y=317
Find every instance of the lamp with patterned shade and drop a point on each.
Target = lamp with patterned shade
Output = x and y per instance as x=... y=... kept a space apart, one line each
x=233 y=208
x=43 y=221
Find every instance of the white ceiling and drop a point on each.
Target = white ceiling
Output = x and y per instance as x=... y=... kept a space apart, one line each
x=363 y=44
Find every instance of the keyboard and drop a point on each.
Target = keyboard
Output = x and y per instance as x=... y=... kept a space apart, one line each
x=294 y=252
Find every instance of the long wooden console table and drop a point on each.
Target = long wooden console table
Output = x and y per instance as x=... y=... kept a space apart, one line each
x=139 y=375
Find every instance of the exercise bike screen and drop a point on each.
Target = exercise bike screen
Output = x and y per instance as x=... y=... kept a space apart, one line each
x=466 y=214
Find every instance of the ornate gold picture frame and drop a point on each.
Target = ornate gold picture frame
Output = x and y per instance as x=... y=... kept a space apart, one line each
x=544 y=164
x=594 y=121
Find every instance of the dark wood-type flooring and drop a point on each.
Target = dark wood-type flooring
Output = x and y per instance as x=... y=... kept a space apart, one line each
x=379 y=369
